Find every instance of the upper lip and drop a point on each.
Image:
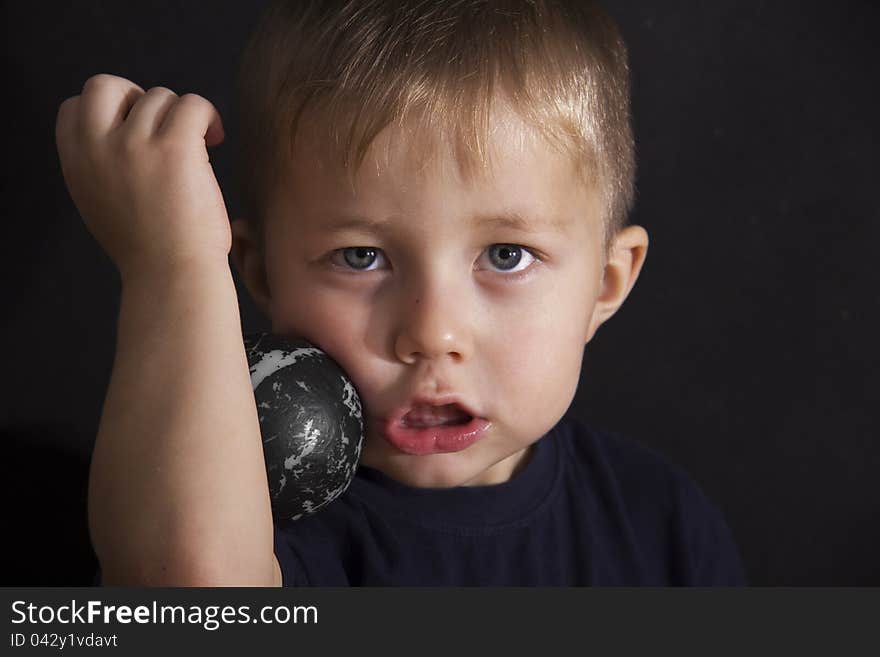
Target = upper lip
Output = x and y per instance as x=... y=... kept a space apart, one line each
x=397 y=414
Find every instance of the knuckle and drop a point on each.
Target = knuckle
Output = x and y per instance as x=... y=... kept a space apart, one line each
x=193 y=99
x=100 y=80
x=161 y=91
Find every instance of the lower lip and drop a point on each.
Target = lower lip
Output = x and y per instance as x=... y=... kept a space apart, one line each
x=435 y=440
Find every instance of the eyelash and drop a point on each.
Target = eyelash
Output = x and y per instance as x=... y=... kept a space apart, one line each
x=509 y=276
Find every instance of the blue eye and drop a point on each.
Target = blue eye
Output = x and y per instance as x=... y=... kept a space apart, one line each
x=508 y=256
x=359 y=258
x=504 y=258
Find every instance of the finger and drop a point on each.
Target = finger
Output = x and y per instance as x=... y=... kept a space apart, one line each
x=106 y=100
x=149 y=111
x=65 y=120
x=66 y=138
x=191 y=115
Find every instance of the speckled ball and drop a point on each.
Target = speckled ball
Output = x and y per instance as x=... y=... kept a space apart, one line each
x=310 y=420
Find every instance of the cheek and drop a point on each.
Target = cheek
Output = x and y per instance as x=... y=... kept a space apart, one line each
x=337 y=329
x=519 y=350
x=541 y=348
x=312 y=316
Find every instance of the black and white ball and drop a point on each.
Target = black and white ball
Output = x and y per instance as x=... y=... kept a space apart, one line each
x=310 y=420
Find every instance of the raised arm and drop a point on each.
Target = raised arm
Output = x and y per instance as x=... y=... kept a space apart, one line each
x=177 y=489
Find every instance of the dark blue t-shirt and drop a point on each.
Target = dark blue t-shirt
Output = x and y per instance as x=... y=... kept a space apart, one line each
x=589 y=508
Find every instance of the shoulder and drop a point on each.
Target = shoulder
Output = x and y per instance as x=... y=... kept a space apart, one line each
x=658 y=498
x=618 y=461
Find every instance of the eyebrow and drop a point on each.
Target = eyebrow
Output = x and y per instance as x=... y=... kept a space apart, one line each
x=509 y=219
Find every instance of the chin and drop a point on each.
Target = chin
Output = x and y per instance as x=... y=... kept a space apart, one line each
x=435 y=471
x=430 y=471
x=441 y=471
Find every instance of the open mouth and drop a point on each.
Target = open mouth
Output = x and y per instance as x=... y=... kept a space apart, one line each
x=426 y=415
x=426 y=428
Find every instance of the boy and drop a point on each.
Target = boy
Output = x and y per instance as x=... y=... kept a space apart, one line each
x=436 y=195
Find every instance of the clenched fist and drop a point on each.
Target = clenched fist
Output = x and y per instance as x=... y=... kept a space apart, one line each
x=137 y=167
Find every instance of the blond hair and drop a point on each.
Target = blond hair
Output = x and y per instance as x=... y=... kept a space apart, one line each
x=356 y=66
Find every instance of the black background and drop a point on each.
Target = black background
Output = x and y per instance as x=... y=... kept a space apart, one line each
x=746 y=352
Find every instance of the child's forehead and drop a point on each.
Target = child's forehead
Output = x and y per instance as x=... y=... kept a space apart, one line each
x=422 y=154
x=518 y=181
x=386 y=204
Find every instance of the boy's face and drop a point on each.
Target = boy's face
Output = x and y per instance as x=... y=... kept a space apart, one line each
x=445 y=300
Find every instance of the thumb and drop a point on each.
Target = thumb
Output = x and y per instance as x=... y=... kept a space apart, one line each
x=215 y=133
x=189 y=117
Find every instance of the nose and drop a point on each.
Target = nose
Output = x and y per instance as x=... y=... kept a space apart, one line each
x=433 y=324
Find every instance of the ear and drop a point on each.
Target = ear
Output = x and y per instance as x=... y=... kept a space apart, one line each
x=628 y=252
x=250 y=265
